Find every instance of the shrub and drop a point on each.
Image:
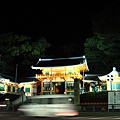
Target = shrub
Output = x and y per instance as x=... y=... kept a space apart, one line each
x=94 y=97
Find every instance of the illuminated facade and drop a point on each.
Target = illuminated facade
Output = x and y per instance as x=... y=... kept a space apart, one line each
x=108 y=82
x=7 y=86
x=57 y=75
x=92 y=83
x=111 y=80
x=30 y=88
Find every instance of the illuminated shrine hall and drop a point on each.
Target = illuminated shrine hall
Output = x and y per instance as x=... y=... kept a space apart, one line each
x=56 y=76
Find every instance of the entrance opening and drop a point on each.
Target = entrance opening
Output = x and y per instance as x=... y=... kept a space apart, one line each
x=59 y=87
x=38 y=88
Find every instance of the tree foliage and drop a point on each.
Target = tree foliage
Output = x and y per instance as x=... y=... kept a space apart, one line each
x=21 y=50
x=102 y=50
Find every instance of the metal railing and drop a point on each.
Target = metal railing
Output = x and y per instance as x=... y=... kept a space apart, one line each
x=99 y=108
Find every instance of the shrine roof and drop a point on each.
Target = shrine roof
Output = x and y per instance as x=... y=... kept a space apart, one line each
x=92 y=78
x=57 y=62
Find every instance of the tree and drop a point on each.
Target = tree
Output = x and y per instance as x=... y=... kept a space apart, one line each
x=102 y=49
x=21 y=50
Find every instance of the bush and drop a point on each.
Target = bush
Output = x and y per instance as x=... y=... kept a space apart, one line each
x=94 y=97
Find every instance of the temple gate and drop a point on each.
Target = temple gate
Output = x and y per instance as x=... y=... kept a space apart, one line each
x=58 y=76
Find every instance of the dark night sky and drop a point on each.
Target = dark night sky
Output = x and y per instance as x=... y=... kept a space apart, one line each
x=59 y=22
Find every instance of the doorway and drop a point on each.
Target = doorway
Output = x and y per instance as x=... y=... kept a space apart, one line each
x=38 y=88
x=59 y=88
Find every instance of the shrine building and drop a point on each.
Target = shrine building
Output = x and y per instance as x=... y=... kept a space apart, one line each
x=56 y=76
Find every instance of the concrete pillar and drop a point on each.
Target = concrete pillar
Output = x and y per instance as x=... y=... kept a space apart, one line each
x=51 y=87
x=65 y=87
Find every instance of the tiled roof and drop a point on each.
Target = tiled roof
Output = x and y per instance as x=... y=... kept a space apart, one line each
x=94 y=78
x=60 y=62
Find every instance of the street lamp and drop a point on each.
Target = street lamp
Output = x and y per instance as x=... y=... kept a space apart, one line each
x=83 y=81
x=16 y=77
x=110 y=79
x=83 y=87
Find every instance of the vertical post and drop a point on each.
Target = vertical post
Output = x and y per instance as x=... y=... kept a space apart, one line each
x=83 y=74
x=51 y=86
x=16 y=73
x=83 y=82
x=65 y=87
x=16 y=78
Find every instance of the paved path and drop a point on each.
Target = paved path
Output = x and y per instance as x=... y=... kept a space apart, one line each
x=83 y=116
